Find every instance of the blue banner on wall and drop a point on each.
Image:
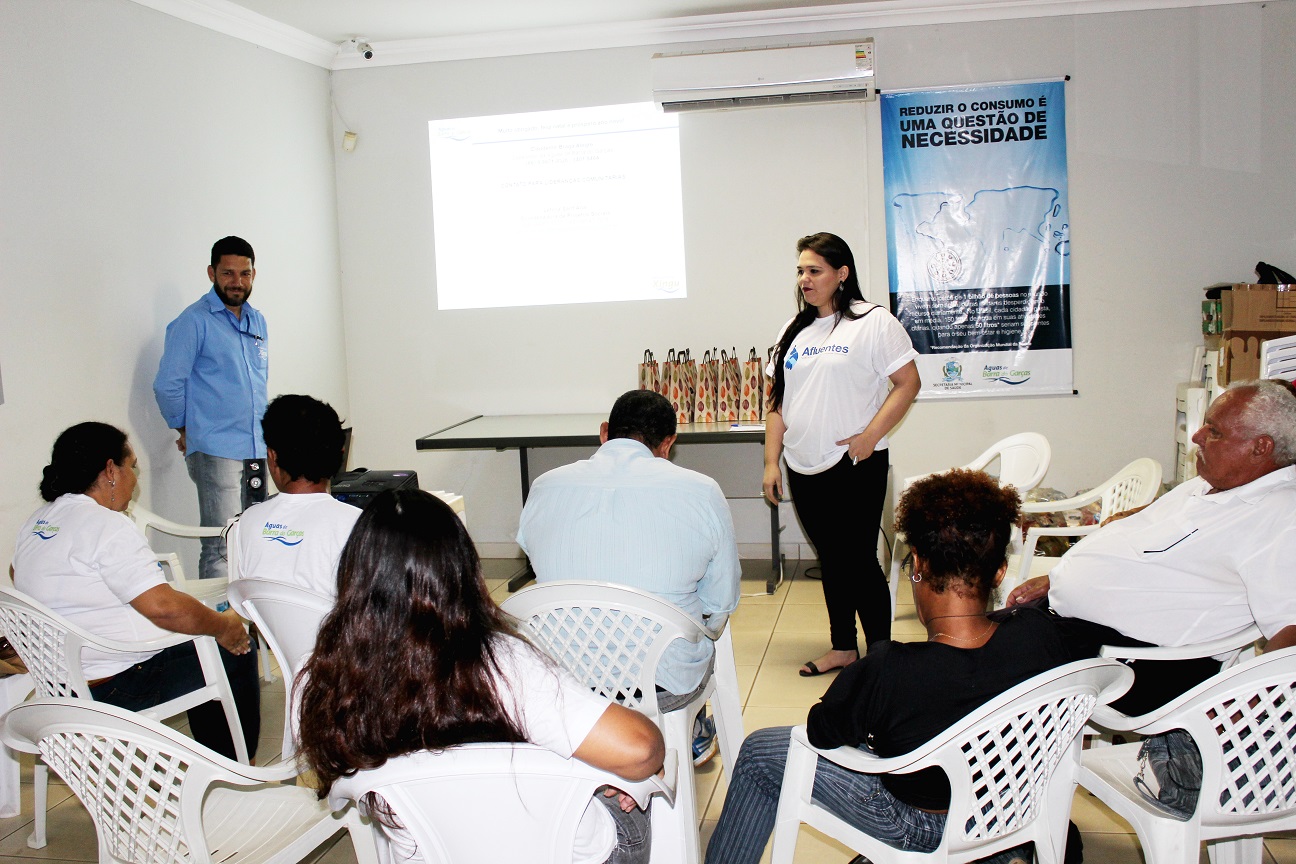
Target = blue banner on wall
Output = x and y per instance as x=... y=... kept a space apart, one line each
x=978 y=236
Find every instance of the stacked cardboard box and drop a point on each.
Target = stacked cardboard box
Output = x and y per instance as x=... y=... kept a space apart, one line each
x=1248 y=315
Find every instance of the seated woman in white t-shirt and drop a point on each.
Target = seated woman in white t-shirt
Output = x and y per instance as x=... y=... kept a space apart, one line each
x=416 y=656
x=295 y=537
x=83 y=558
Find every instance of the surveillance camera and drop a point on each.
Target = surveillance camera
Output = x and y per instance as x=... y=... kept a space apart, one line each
x=365 y=49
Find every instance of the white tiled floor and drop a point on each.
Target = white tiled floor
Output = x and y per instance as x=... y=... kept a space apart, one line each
x=773 y=636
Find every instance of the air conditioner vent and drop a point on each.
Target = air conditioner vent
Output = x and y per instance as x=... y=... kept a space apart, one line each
x=762 y=77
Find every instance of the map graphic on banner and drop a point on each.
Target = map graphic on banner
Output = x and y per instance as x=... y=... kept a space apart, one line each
x=978 y=237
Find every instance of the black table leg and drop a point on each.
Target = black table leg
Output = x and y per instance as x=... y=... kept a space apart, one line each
x=776 y=554
x=527 y=573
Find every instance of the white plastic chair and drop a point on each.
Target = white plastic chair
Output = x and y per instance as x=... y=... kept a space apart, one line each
x=1023 y=461
x=51 y=646
x=209 y=591
x=1245 y=729
x=157 y=796
x=612 y=637
x=1011 y=766
x=13 y=690
x=1135 y=485
x=145 y=520
x=289 y=617
x=488 y=802
x=1229 y=650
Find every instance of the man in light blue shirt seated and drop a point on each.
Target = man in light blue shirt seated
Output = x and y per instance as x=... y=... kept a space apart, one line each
x=211 y=389
x=629 y=515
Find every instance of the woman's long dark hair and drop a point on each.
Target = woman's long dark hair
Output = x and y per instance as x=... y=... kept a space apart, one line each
x=834 y=250
x=80 y=455
x=405 y=661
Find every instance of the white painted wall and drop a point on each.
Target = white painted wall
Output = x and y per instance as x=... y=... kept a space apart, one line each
x=130 y=142
x=1182 y=141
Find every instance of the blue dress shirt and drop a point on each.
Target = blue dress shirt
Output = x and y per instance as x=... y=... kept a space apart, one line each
x=628 y=517
x=212 y=378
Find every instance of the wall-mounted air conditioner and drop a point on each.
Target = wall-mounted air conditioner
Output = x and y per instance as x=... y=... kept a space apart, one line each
x=757 y=77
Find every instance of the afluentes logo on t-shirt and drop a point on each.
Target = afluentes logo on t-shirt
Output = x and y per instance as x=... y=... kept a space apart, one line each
x=812 y=350
x=44 y=530
x=277 y=533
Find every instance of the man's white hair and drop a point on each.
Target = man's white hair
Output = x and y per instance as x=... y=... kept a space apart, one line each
x=1271 y=411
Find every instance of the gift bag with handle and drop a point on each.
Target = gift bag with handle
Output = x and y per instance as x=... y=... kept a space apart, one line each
x=704 y=405
x=687 y=370
x=727 y=403
x=666 y=379
x=649 y=374
x=752 y=400
x=681 y=384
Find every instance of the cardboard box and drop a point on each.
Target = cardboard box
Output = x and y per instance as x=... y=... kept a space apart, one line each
x=1251 y=314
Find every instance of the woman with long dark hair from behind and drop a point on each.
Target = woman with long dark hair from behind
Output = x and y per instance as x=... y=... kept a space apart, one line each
x=844 y=376
x=416 y=656
x=83 y=558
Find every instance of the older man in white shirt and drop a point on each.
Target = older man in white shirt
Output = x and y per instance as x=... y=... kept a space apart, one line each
x=1207 y=559
x=1203 y=562
x=630 y=516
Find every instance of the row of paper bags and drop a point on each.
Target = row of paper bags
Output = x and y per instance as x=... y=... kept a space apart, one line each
x=718 y=389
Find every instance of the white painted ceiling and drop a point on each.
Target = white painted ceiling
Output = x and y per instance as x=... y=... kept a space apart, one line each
x=394 y=20
x=422 y=31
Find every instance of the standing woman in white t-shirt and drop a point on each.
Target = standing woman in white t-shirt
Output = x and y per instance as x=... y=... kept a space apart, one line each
x=844 y=376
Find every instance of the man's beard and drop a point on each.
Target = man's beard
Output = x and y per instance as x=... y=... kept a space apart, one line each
x=230 y=301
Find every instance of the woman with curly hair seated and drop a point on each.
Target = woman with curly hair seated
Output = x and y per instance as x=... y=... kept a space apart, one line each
x=903 y=694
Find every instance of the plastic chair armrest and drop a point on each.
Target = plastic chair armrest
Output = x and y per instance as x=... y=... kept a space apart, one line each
x=170 y=559
x=1061 y=530
x=276 y=773
x=119 y=647
x=237 y=774
x=714 y=625
x=175 y=529
x=1184 y=652
x=1075 y=502
x=864 y=762
x=663 y=784
x=1109 y=718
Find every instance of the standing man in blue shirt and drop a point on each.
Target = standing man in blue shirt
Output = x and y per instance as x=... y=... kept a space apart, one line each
x=211 y=388
x=629 y=515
